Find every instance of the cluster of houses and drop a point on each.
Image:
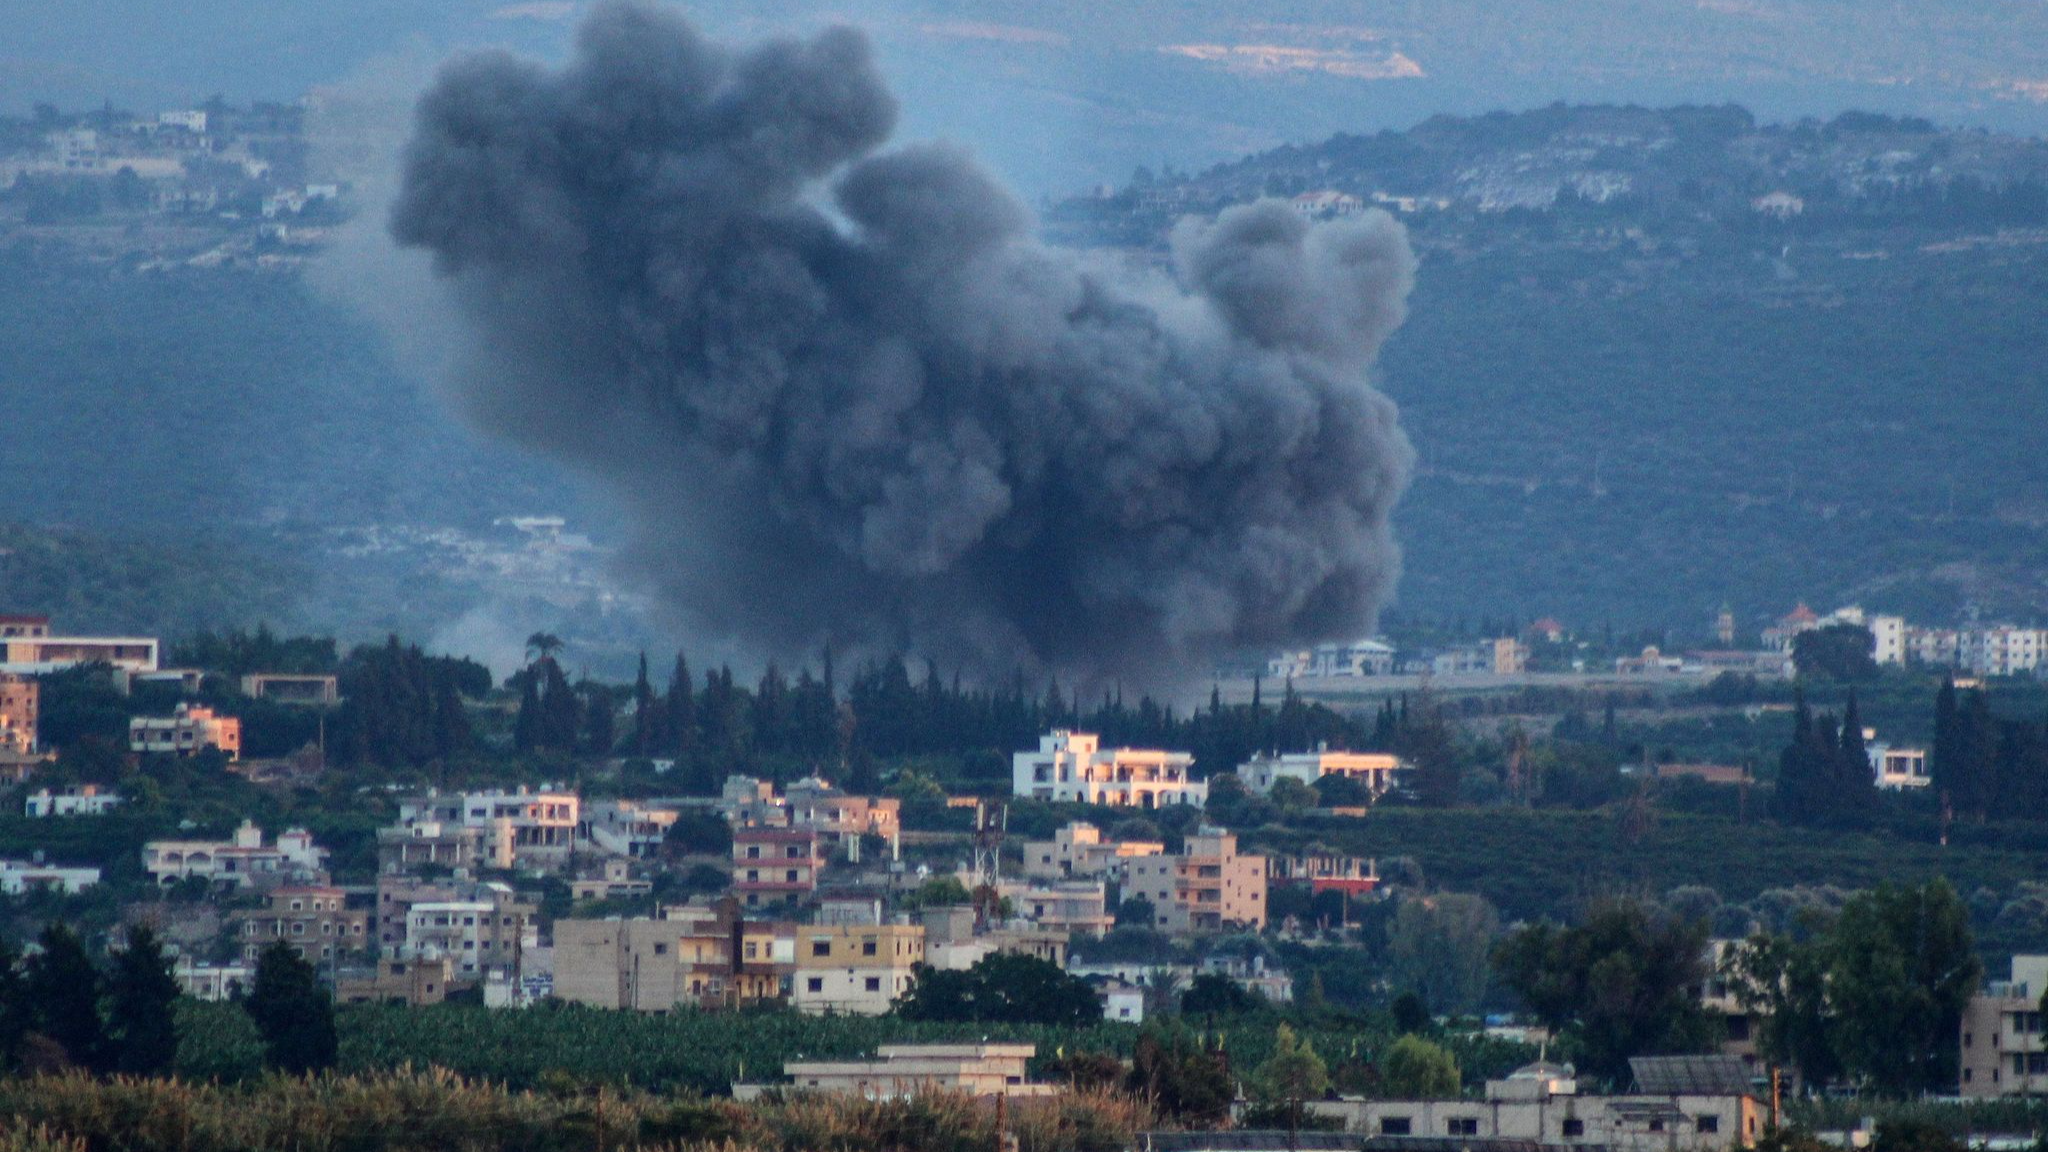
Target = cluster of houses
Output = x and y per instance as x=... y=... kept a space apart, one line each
x=1979 y=650
x=821 y=910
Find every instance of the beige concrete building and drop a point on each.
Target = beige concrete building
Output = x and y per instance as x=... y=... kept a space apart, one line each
x=856 y=970
x=415 y=981
x=41 y=652
x=1078 y=850
x=1540 y=1104
x=428 y=844
x=901 y=1070
x=1207 y=888
x=1072 y=767
x=2003 y=1053
x=313 y=919
x=690 y=955
x=190 y=730
x=20 y=704
x=1376 y=772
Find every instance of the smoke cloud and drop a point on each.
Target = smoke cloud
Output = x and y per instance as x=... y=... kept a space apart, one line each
x=851 y=400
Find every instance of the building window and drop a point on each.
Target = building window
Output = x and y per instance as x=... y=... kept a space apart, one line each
x=821 y=947
x=1461 y=1126
x=867 y=947
x=1575 y=1127
x=874 y=984
x=661 y=949
x=1393 y=1125
x=1656 y=1125
x=1706 y=1124
x=815 y=984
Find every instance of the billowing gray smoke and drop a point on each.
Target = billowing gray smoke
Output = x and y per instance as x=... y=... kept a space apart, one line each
x=851 y=400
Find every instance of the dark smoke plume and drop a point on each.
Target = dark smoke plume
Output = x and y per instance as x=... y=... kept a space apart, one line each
x=852 y=400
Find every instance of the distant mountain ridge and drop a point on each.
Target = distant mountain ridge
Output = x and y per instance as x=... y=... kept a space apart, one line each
x=1659 y=359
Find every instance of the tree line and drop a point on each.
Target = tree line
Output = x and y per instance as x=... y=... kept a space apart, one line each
x=59 y=1009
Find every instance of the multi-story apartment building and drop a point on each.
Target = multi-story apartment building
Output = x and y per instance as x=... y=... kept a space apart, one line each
x=1062 y=906
x=1207 y=888
x=903 y=1070
x=774 y=865
x=1077 y=849
x=836 y=816
x=241 y=862
x=1377 y=772
x=190 y=730
x=694 y=954
x=314 y=919
x=414 y=981
x=856 y=970
x=2000 y=650
x=487 y=935
x=2002 y=1035
x=20 y=704
x=1073 y=767
x=522 y=828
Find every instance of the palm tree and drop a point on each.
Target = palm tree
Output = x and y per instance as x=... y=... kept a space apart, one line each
x=542 y=646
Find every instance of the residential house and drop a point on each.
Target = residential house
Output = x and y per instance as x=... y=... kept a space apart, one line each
x=1077 y=849
x=19 y=876
x=484 y=935
x=1072 y=767
x=627 y=828
x=614 y=881
x=81 y=800
x=415 y=981
x=28 y=648
x=856 y=970
x=905 y=1070
x=429 y=845
x=522 y=828
x=1378 y=773
x=20 y=703
x=203 y=981
x=774 y=865
x=1681 y=1104
x=1208 y=887
x=314 y=919
x=1325 y=872
x=705 y=955
x=190 y=730
x=239 y=862
x=2003 y=1053
x=314 y=690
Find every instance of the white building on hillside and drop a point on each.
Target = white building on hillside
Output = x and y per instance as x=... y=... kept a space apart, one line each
x=1071 y=766
x=1378 y=772
x=84 y=800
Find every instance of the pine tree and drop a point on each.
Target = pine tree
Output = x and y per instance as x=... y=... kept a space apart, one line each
x=63 y=993
x=142 y=996
x=292 y=1012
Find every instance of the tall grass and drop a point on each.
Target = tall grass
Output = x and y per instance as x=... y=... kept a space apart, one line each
x=437 y=1111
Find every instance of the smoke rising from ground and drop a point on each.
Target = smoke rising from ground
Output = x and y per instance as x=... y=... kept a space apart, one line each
x=852 y=400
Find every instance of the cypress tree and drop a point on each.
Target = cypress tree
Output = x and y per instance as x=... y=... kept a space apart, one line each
x=13 y=1006
x=143 y=995
x=643 y=711
x=598 y=727
x=526 y=728
x=63 y=994
x=680 y=712
x=292 y=1012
